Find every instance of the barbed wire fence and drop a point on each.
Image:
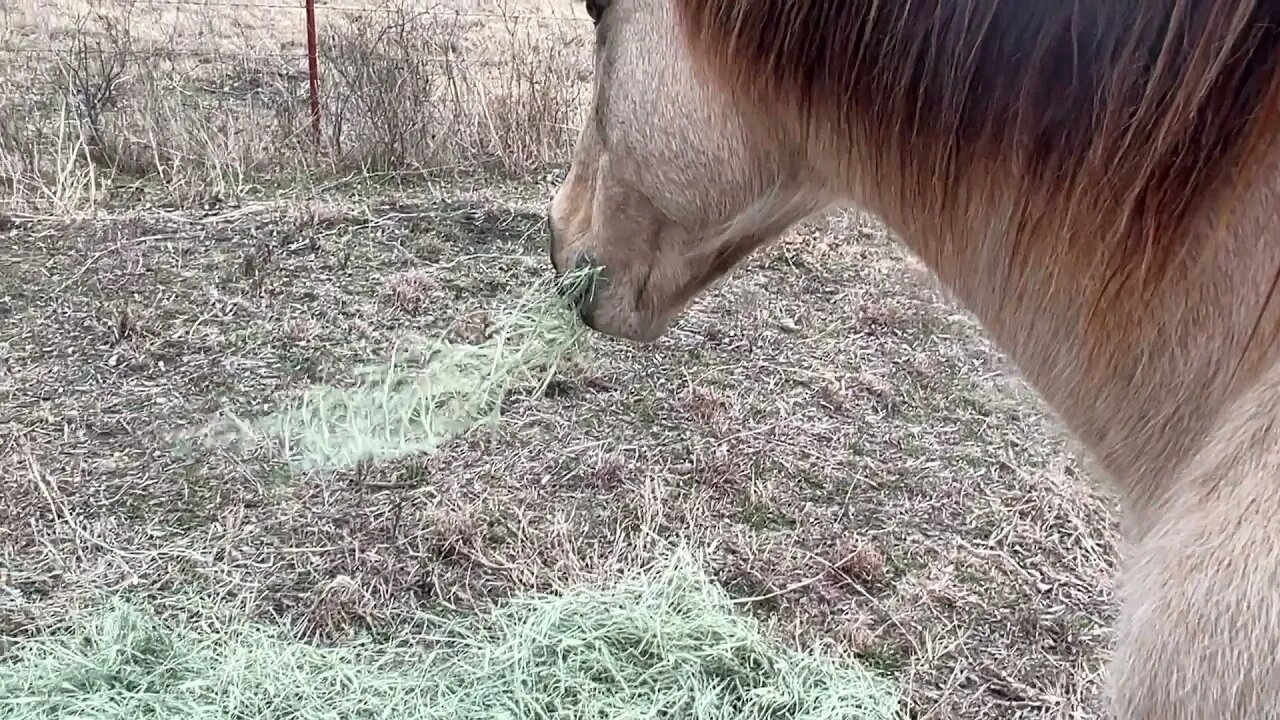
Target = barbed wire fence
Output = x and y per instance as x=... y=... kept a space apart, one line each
x=93 y=42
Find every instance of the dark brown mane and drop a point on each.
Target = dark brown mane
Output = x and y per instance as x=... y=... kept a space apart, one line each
x=1127 y=114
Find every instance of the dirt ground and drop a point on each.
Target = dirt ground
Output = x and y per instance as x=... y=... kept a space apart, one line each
x=840 y=440
x=823 y=408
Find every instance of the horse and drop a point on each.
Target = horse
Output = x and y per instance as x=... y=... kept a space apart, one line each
x=1097 y=182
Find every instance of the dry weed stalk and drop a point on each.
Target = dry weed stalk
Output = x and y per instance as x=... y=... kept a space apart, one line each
x=403 y=90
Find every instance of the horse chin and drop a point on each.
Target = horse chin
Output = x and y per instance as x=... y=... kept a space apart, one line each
x=622 y=324
x=643 y=333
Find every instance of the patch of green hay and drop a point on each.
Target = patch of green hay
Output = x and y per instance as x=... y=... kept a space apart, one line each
x=662 y=644
x=429 y=395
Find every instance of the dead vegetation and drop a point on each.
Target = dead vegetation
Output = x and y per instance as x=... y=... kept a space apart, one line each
x=855 y=457
x=99 y=111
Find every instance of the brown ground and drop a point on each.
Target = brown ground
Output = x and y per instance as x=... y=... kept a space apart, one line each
x=824 y=419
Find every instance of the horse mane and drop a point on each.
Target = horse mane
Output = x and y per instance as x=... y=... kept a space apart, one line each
x=1122 y=121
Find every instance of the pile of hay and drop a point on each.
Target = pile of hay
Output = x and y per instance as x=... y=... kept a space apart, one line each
x=430 y=394
x=661 y=644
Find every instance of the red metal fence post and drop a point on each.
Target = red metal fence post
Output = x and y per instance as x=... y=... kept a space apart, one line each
x=313 y=69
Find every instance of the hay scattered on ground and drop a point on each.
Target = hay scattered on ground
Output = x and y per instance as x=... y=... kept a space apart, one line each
x=430 y=394
x=666 y=643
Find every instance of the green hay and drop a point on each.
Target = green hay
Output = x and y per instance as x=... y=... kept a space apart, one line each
x=665 y=644
x=427 y=396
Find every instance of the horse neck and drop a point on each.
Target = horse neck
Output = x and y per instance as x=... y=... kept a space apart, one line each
x=1147 y=384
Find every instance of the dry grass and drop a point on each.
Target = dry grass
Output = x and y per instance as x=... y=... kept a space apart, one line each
x=429 y=392
x=101 y=105
x=846 y=446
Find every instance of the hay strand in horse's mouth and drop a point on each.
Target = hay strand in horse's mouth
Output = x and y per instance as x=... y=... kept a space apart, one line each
x=578 y=286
